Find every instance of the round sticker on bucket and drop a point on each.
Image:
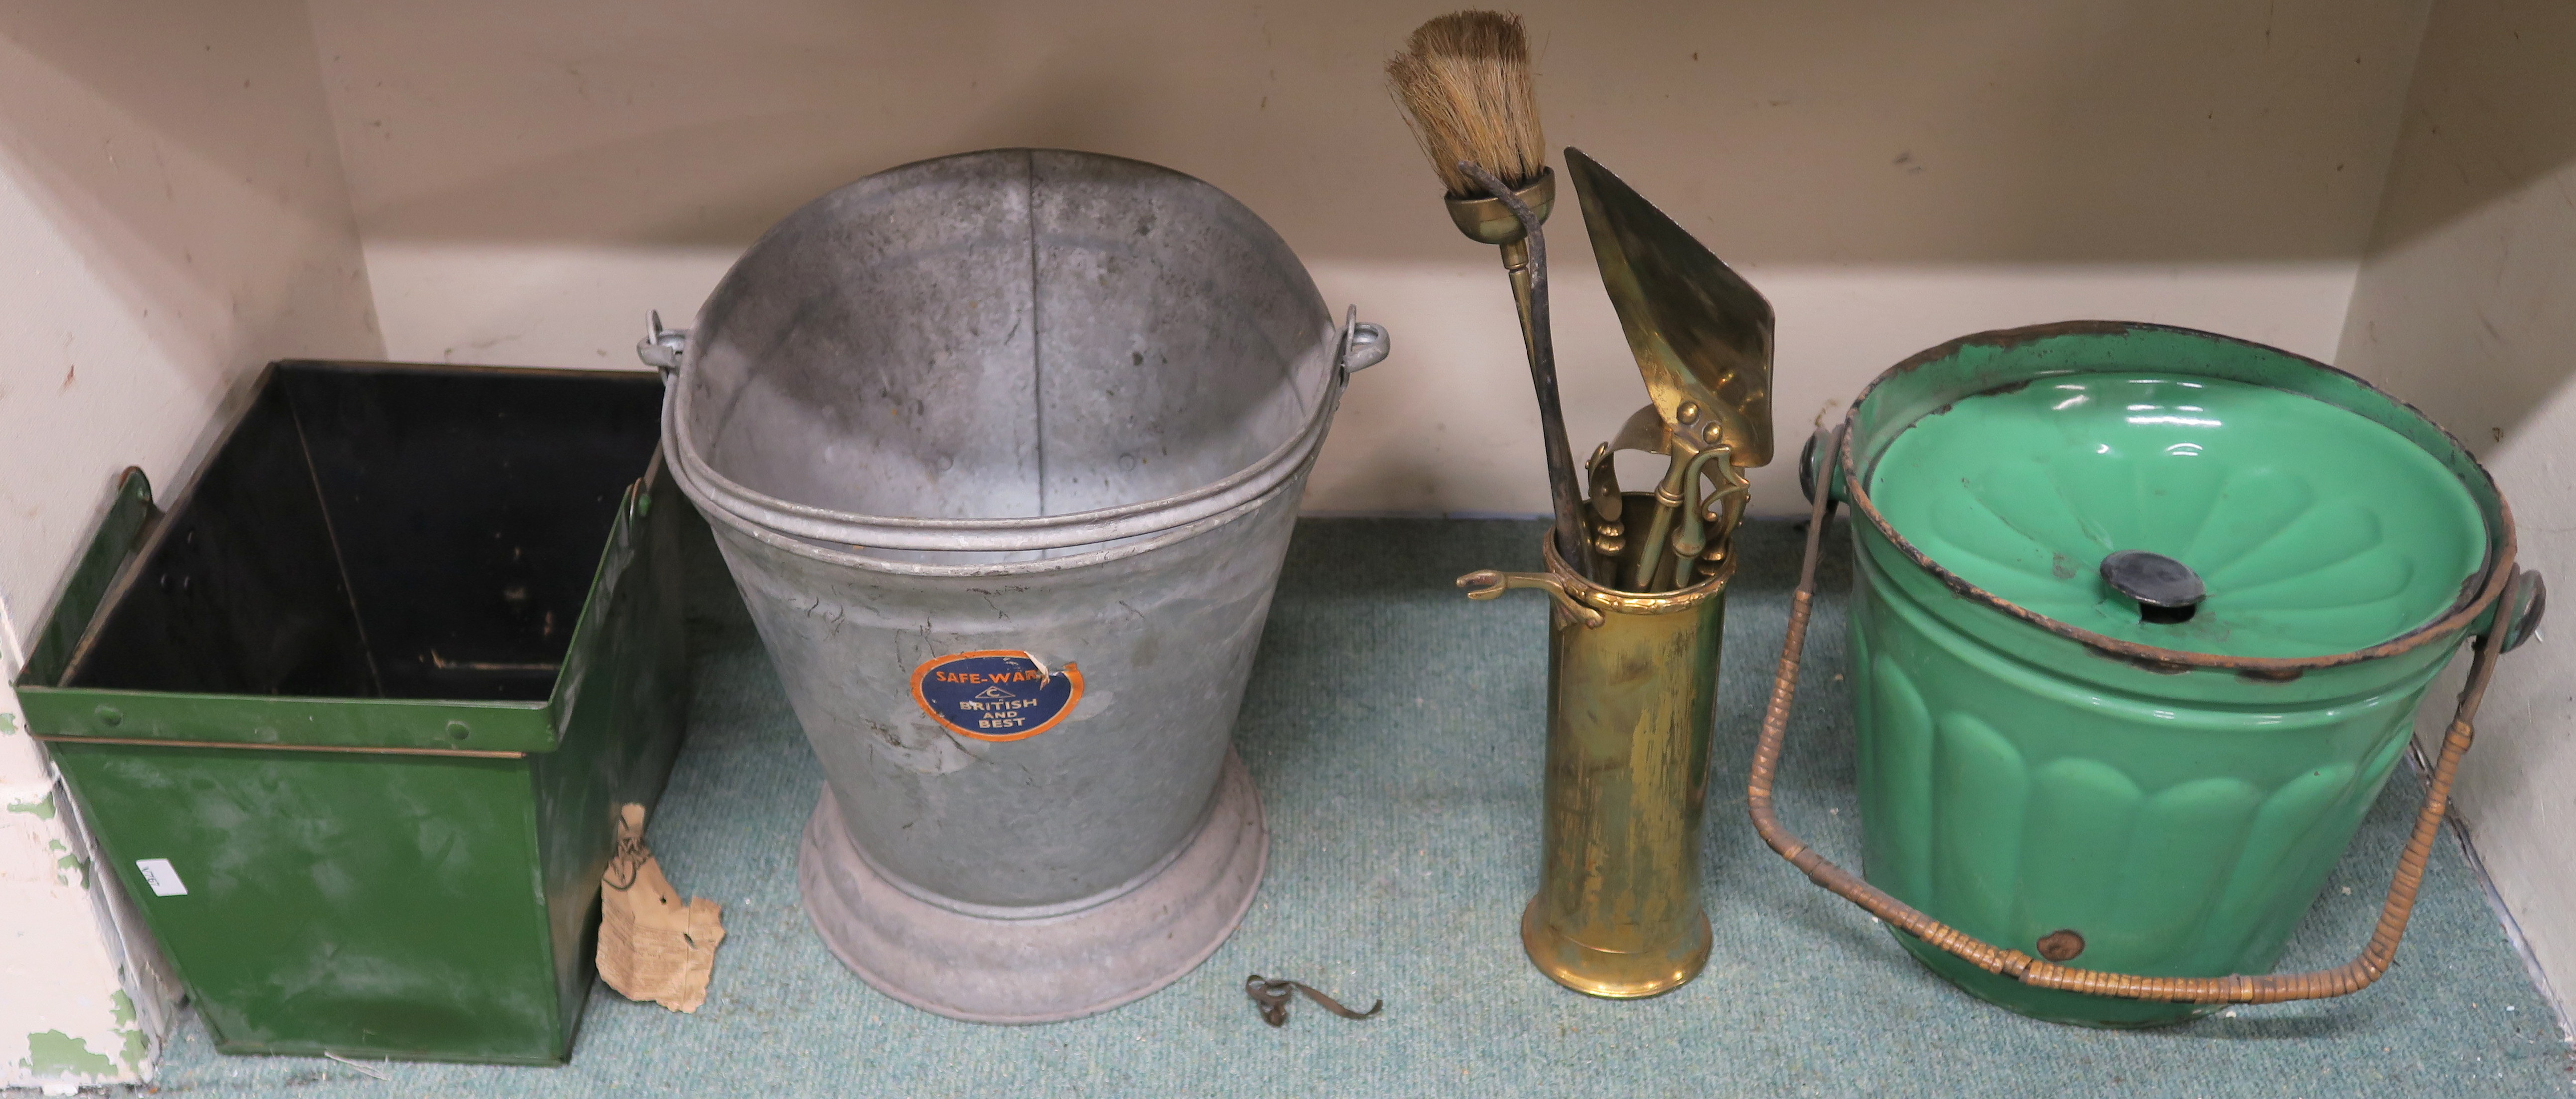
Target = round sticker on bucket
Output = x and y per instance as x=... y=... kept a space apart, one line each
x=997 y=694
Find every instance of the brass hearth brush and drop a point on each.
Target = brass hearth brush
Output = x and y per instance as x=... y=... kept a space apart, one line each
x=1465 y=83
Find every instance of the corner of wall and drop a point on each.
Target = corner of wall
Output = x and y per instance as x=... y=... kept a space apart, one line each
x=178 y=215
x=2466 y=307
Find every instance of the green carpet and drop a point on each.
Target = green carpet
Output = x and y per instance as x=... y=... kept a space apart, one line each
x=1394 y=728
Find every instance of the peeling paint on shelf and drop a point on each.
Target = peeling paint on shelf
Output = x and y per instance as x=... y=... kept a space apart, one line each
x=70 y=1010
x=54 y=1053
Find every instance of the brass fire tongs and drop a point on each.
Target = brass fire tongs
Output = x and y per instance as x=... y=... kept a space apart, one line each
x=1702 y=338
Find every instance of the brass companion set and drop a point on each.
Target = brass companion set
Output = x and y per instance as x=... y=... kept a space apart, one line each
x=1638 y=578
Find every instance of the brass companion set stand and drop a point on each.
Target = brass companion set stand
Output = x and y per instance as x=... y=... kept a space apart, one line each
x=1638 y=579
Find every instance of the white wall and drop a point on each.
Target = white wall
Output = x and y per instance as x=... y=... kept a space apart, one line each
x=532 y=178
x=173 y=215
x=2467 y=307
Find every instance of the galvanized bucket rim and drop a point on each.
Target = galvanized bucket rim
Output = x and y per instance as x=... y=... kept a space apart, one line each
x=703 y=483
x=1021 y=533
x=834 y=555
x=2476 y=596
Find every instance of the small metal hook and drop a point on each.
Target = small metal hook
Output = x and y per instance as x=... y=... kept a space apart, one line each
x=1272 y=997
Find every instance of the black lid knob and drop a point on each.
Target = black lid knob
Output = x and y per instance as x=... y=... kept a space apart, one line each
x=2161 y=585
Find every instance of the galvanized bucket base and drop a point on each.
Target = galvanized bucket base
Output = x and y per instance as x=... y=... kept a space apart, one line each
x=1047 y=969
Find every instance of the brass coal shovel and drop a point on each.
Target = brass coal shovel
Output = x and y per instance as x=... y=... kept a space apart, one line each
x=1702 y=337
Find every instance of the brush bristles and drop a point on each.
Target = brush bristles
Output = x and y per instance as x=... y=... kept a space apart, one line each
x=1464 y=81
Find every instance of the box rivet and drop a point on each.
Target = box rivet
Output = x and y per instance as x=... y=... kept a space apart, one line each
x=456 y=730
x=110 y=716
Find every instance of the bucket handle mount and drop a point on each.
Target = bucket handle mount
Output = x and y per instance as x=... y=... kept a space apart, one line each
x=2374 y=960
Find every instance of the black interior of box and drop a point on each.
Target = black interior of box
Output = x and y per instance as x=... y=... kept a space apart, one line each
x=384 y=531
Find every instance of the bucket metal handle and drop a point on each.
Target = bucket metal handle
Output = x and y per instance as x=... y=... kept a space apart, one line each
x=661 y=348
x=2373 y=961
x=1362 y=345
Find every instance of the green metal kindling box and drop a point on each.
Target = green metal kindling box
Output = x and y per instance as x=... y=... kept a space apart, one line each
x=352 y=719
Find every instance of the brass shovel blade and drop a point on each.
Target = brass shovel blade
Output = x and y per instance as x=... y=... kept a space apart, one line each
x=1701 y=333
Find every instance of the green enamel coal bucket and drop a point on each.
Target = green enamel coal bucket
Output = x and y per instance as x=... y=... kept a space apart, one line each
x=2139 y=624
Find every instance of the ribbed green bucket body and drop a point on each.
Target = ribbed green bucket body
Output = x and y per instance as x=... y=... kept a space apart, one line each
x=2035 y=756
x=2012 y=800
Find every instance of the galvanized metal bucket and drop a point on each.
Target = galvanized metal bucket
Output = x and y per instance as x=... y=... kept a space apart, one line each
x=1003 y=450
x=2141 y=617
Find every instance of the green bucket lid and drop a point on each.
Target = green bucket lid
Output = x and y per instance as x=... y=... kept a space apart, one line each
x=2313 y=530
